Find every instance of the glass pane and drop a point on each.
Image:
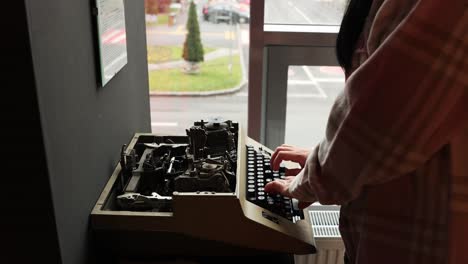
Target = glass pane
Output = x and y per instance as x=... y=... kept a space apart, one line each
x=311 y=93
x=304 y=12
x=181 y=92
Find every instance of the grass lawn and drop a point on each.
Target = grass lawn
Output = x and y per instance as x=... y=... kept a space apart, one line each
x=214 y=75
x=158 y=54
x=163 y=19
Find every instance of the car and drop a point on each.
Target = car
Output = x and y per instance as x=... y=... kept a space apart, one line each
x=226 y=12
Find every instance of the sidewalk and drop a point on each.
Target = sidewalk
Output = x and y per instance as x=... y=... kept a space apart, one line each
x=222 y=52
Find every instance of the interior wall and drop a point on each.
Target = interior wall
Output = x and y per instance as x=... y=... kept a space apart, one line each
x=83 y=125
x=28 y=229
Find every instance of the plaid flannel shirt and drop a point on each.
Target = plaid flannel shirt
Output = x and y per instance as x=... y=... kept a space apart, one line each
x=395 y=152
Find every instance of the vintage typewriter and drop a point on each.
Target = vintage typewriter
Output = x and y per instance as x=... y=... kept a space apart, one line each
x=199 y=194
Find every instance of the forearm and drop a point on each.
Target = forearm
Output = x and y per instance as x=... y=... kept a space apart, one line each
x=398 y=109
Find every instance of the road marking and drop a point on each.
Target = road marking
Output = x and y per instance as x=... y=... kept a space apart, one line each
x=245 y=37
x=301 y=13
x=181 y=29
x=311 y=77
x=164 y=124
x=229 y=35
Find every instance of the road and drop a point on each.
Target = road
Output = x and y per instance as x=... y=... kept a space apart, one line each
x=311 y=90
x=312 y=12
x=308 y=106
x=212 y=35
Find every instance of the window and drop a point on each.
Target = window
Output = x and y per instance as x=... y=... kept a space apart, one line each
x=310 y=95
x=217 y=87
x=284 y=34
x=295 y=98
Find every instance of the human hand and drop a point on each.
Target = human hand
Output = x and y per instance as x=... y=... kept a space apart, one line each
x=291 y=153
x=282 y=187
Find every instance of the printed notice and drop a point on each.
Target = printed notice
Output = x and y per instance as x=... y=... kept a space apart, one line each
x=112 y=37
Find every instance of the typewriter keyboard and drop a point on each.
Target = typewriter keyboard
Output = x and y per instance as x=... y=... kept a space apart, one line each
x=259 y=173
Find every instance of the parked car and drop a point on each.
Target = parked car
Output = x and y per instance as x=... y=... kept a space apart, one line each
x=225 y=12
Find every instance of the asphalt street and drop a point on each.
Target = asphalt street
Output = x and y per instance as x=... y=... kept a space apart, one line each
x=312 y=12
x=307 y=111
x=220 y=35
x=311 y=90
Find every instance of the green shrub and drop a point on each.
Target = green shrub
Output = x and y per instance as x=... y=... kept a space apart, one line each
x=193 y=49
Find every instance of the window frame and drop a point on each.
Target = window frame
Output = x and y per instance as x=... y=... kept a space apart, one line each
x=273 y=48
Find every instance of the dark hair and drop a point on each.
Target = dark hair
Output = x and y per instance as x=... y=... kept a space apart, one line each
x=350 y=30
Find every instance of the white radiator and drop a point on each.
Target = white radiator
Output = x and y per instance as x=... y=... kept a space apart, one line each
x=330 y=247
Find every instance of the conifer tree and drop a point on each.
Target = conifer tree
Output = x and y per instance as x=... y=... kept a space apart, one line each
x=193 y=49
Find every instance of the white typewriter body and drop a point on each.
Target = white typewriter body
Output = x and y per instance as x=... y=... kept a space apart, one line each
x=201 y=223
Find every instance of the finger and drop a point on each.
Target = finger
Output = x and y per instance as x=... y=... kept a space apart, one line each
x=303 y=205
x=277 y=187
x=289 y=178
x=292 y=172
x=285 y=155
x=280 y=156
x=277 y=150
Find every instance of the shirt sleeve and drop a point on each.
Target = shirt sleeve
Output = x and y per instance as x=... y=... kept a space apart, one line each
x=398 y=108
